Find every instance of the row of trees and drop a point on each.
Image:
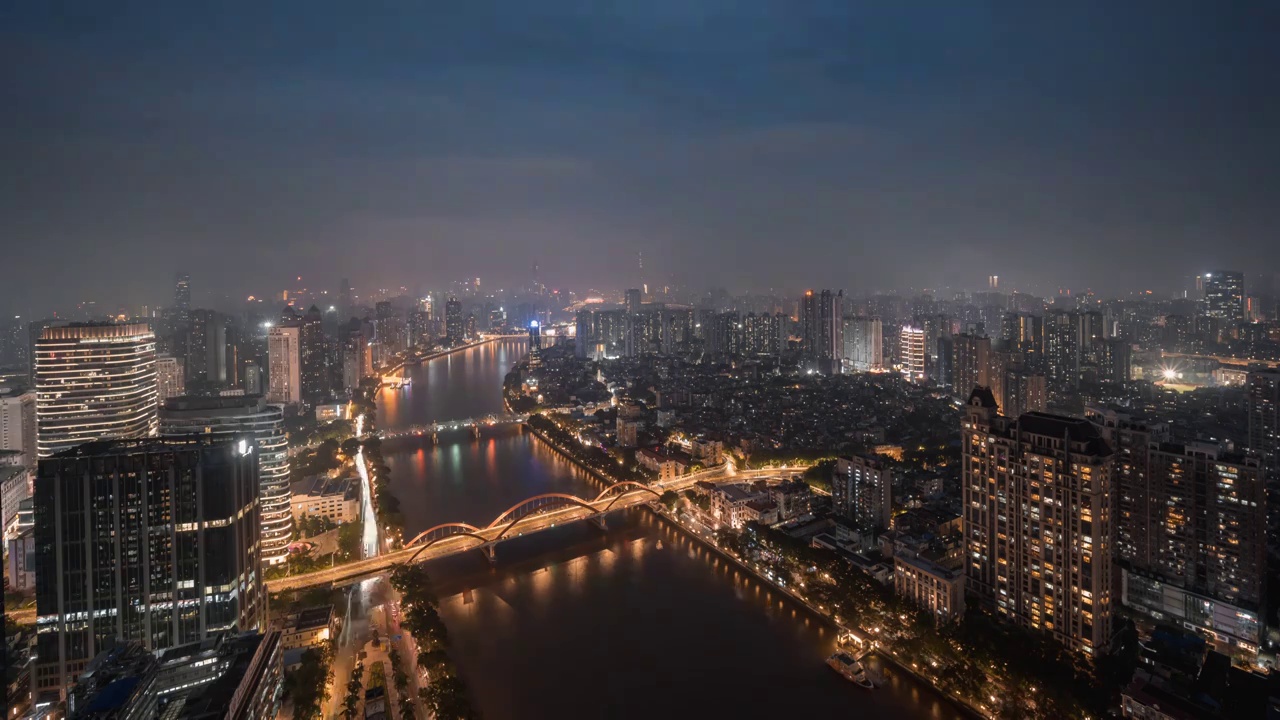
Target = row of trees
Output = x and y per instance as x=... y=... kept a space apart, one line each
x=401 y=678
x=351 y=702
x=1010 y=672
x=446 y=697
x=308 y=686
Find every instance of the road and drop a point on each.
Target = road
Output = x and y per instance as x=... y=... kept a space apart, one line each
x=374 y=566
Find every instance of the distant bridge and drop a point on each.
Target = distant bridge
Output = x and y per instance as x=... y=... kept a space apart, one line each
x=535 y=514
x=432 y=430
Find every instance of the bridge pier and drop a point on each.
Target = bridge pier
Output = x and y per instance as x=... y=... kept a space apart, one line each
x=599 y=522
x=475 y=431
x=435 y=438
x=489 y=551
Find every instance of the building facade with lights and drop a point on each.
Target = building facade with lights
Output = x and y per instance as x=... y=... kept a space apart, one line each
x=284 y=359
x=911 y=353
x=94 y=382
x=1224 y=294
x=152 y=540
x=1037 y=494
x=246 y=415
x=862 y=491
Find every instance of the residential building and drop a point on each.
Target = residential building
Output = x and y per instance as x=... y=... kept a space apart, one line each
x=169 y=378
x=308 y=628
x=862 y=491
x=729 y=504
x=21 y=557
x=251 y=416
x=337 y=499
x=314 y=358
x=1024 y=391
x=822 y=328
x=15 y=486
x=1263 y=405
x=18 y=423
x=94 y=382
x=152 y=540
x=930 y=586
x=284 y=358
x=1038 y=521
x=972 y=365
x=864 y=343
x=453 y=327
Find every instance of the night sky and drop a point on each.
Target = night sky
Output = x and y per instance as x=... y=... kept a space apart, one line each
x=738 y=143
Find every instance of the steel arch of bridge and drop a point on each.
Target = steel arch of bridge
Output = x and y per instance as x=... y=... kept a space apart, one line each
x=523 y=510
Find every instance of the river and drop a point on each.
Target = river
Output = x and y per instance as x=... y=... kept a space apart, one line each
x=636 y=622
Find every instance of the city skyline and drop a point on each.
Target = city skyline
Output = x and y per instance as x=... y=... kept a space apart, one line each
x=1088 y=147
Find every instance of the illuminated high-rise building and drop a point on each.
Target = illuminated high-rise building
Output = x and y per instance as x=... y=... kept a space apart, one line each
x=246 y=416
x=152 y=540
x=972 y=365
x=1038 y=521
x=862 y=491
x=911 y=353
x=182 y=292
x=1224 y=294
x=169 y=378
x=94 y=382
x=762 y=334
x=18 y=424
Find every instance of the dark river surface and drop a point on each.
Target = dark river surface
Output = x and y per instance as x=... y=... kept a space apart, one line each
x=636 y=622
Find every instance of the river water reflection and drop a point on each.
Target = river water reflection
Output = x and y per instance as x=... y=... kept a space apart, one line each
x=636 y=622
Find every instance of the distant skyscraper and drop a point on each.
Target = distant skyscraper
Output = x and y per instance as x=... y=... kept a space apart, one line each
x=1024 y=390
x=346 y=301
x=1062 y=349
x=182 y=292
x=972 y=364
x=245 y=416
x=634 y=300
x=1038 y=521
x=94 y=382
x=169 y=378
x=822 y=320
x=453 y=321
x=1024 y=333
x=1224 y=294
x=284 y=355
x=151 y=540
x=762 y=334
x=911 y=353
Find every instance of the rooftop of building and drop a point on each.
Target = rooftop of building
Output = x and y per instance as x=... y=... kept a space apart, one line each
x=1077 y=430
x=928 y=566
x=323 y=486
x=219 y=405
x=309 y=618
x=736 y=493
x=165 y=443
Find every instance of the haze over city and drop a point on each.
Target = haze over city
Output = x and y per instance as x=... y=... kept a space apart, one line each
x=781 y=145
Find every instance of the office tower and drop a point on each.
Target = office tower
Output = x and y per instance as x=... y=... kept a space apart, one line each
x=1224 y=295
x=1115 y=359
x=1024 y=333
x=864 y=343
x=237 y=677
x=822 y=329
x=169 y=378
x=284 y=358
x=862 y=491
x=1024 y=391
x=252 y=378
x=911 y=353
x=182 y=292
x=315 y=358
x=152 y=540
x=94 y=382
x=18 y=423
x=453 y=328
x=245 y=416
x=634 y=298
x=1263 y=405
x=1038 y=521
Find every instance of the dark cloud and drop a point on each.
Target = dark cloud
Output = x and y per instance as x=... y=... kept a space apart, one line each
x=736 y=143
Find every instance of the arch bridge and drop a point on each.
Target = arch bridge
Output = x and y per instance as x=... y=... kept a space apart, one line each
x=529 y=516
